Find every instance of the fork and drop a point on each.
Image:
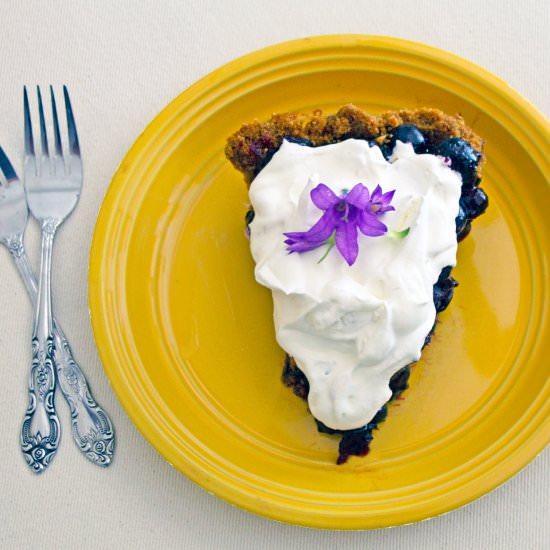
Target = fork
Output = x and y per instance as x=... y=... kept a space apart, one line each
x=91 y=427
x=52 y=188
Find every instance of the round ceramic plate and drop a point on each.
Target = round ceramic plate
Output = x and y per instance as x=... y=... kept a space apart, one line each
x=185 y=333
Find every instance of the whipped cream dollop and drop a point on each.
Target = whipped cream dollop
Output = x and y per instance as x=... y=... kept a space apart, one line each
x=350 y=328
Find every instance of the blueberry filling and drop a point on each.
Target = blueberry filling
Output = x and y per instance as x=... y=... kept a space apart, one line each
x=300 y=141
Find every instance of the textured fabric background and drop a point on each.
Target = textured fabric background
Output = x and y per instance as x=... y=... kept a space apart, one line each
x=124 y=61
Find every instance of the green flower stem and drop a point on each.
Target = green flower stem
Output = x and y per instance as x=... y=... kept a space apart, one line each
x=331 y=241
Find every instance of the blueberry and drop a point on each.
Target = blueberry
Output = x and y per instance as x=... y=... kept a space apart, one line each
x=386 y=150
x=380 y=416
x=354 y=443
x=461 y=220
x=294 y=378
x=464 y=231
x=399 y=382
x=249 y=216
x=324 y=429
x=442 y=297
x=445 y=273
x=474 y=202
x=429 y=336
x=443 y=290
x=407 y=133
x=464 y=158
x=443 y=294
x=299 y=141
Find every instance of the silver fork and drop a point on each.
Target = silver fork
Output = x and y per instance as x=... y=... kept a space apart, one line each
x=53 y=188
x=91 y=428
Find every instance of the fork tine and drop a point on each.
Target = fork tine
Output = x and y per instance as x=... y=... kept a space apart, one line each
x=29 y=142
x=6 y=167
x=56 y=132
x=43 y=134
x=74 y=147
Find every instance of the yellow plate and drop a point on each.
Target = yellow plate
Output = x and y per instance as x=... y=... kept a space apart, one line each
x=185 y=334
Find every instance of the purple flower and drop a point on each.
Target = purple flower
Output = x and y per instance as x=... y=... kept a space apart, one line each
x=342 y=216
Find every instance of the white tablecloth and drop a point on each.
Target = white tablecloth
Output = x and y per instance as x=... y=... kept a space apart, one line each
x=124 y=61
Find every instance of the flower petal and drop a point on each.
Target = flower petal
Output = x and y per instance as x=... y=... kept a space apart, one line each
x=358 y=196
x=323 y=197
x=346 y=242
x=376 y=194
x=370 y=225
x=319 y=233
x=383 y=209
x=387 y=197
x=300 y=246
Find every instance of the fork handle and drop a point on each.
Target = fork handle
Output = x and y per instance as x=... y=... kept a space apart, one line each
x=92 y=430
x=40 y=431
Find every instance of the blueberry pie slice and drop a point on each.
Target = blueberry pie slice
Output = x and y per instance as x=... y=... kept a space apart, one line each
x=354 y=225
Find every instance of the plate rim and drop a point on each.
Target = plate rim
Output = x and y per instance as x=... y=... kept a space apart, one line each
x=120 y=177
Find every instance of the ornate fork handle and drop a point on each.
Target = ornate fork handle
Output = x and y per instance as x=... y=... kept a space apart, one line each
x=40 y=431
x=92 y=430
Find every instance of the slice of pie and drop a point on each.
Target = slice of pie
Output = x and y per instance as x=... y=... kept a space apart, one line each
x=354 y=224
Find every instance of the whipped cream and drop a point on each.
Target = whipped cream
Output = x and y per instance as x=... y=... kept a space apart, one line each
x=350 y=328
